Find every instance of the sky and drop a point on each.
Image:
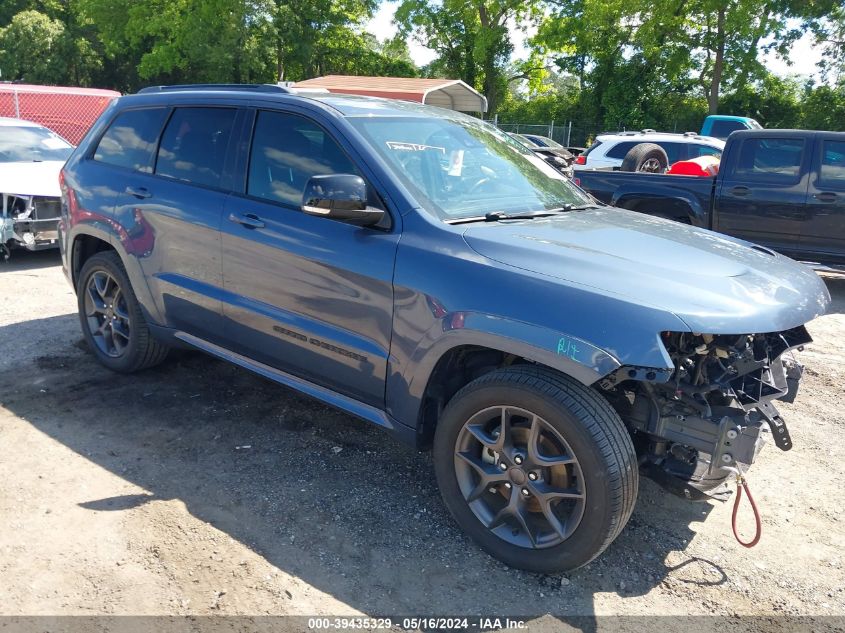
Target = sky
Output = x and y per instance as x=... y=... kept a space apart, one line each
x=804 y=57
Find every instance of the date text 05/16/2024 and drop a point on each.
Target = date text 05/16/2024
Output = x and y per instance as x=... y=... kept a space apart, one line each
x=417 y=623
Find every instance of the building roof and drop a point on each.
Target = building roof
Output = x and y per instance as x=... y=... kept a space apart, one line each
x=445 y=93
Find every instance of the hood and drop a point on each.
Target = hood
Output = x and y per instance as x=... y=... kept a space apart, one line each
x=714 y=283
x=31 y=178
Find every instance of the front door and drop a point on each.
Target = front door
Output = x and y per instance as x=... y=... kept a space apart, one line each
x=763 y=191
x=307 y=295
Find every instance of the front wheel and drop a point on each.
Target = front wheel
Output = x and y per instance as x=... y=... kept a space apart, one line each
x=538 y=469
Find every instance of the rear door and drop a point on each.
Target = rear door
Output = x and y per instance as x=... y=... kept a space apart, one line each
x=823 y=234
x=172 y=217
x=762 y=193
x=308 y=295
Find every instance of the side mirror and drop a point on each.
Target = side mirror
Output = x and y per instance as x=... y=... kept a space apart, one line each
x=340 y=197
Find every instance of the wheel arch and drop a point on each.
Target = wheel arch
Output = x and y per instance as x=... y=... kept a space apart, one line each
x=670 y=206
x=88 y=240
x=83 y=247
x=459 y=357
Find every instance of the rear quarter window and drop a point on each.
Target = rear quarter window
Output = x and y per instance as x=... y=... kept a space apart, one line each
x=593 y=147
x=621 y=149
x=131 y=138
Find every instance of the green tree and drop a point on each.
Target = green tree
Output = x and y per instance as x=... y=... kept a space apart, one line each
x=773 y=101
x=650 y=50
x=830 y=34
x=320 y=37
x=625 y=53
x=33 y=48
x=823 y=108
x=470 y=37
x=183 y=40
x=732 y=39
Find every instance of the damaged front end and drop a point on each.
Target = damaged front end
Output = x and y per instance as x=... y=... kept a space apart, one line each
x=711 y=417
x=29 y=222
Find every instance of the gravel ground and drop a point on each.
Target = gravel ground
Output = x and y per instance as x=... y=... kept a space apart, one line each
x=198 y=488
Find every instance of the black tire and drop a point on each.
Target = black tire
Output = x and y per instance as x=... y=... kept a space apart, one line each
x=646 y=157
x=137 y=349
x=593 y=433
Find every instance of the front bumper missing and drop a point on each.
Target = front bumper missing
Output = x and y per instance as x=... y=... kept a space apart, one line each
x=695 y=436
x=29 y=222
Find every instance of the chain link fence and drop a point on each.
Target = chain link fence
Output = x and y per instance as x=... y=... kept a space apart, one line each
x=567 y=134
x=69 y=112
x=571 y=134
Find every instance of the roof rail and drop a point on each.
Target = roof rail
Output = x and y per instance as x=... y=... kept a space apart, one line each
x=221 y=87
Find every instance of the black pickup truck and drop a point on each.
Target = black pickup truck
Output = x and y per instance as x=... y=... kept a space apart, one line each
x=784 y=189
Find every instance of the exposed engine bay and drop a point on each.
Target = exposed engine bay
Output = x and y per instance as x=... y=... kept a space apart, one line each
x=711 y=418
x=30 y=222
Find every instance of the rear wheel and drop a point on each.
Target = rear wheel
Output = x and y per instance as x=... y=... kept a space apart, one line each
x=537 y=469
x=111 y=318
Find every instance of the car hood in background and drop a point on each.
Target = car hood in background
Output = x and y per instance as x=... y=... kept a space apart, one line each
x=714 y=283
x=31 y=179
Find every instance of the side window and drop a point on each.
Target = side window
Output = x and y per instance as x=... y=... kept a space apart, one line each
x=723 y=129
x=674 y=151
x=832 y=173
x=591 y=148
x=770 y=158
x=620 y=149
x=287 y=150
x=131 y=139
x=193 y=145
x=704 y=150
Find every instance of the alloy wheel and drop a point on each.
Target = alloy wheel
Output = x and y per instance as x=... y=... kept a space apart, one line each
x=107 y=314
x=519 y=477
x=651 y=166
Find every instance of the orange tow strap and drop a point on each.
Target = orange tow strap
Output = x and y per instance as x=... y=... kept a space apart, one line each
x=740 y=486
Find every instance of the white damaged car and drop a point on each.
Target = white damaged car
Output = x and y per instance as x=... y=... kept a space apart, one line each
x=31 y=157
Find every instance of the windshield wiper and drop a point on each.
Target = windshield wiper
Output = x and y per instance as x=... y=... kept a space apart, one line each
x=582 y=207
x=495 y=216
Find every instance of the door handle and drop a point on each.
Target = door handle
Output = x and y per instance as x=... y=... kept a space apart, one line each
x=825 y=196
x=740 y=190
x=249 y=220
x=139 y=192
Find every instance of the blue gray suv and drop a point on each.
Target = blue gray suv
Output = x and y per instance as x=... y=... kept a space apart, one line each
x=420 y=269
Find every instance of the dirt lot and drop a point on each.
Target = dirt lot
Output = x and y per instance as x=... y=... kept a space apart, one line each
x=199 y=488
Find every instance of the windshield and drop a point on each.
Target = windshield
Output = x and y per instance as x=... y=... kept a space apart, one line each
x=460 y=167
x=28 y=144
